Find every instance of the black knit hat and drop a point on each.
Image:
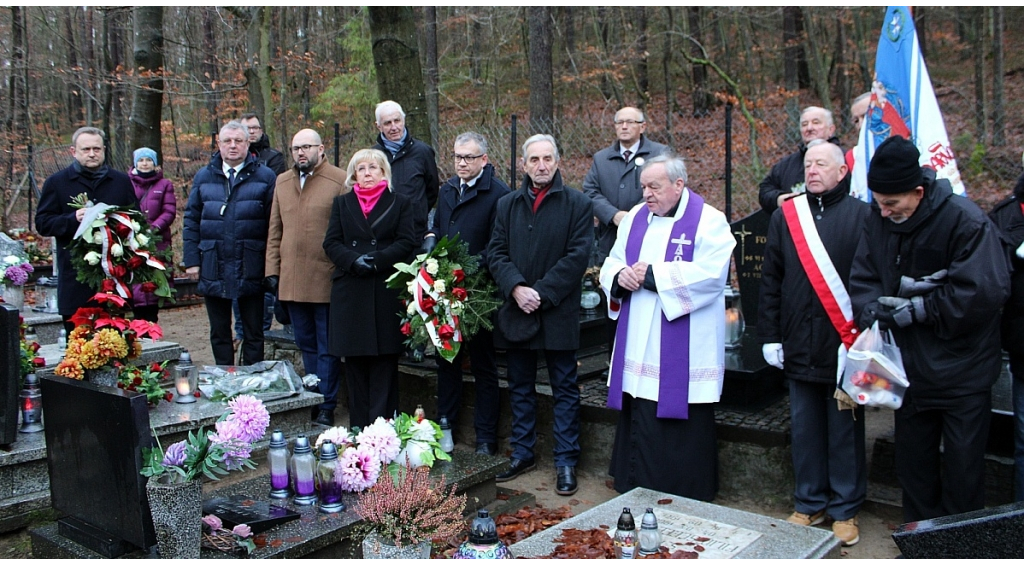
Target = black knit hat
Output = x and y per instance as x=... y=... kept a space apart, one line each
x=894 y=168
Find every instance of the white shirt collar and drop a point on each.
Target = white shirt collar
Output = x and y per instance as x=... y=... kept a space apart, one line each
x=632 y=150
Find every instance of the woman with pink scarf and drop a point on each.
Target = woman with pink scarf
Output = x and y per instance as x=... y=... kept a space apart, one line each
x=371 y=228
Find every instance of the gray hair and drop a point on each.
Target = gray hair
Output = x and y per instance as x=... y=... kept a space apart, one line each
x=836 y=152
x=386 y=107
x=472 y=137
x=828 y=114
x=86 y=131
x=643 y=118
x=235 y=124
x=541 y=137
x=860 y=98
x=675 y=168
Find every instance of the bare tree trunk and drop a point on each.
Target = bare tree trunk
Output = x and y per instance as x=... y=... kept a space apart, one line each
x=88 y=64
x=19 y=114
x=643 y=82
x=75 y=114
x=569 y=33
x=701 y=97
x=430 y=38
x=841 y=66
x=149 y=62
x=998 y=71
x=978 y=42
x=666 y=63
x=397 y=60
x=791 y=54
x=306 y=102
x=541 y=81
x=210 y=67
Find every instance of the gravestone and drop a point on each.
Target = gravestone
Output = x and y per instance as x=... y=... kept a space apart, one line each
x=9 y=246
x=10 y=373
x=994 y=532
x=94 y=440
x=751 y=235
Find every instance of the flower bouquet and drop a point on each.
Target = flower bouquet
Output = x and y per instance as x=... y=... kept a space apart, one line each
x=103 y=337
x=212 y=453
x=36 y=246
x=30 y=362
x=420 y=441
x=238 y=539
x=450 y=298
x=408 y=509
x=115 y=244
x=144 y=380
x=14 y=269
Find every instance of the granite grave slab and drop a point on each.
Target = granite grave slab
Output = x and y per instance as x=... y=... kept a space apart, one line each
x=993 y=532
x=727 y=532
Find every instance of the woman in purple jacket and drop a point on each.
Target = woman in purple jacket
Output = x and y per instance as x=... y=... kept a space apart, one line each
x=156 y=200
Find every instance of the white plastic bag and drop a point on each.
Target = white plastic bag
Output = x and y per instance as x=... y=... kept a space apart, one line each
x=874 y=373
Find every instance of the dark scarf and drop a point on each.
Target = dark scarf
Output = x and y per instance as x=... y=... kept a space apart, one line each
x=93 y=177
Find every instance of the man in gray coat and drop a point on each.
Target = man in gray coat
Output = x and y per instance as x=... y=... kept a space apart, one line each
x=613 y=183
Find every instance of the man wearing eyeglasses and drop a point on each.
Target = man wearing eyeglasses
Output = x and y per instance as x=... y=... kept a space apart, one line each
x=225 y=241
x=613 y=181
x=297 y=267
x=259 y=144
x=466 y=206
x=413 y=164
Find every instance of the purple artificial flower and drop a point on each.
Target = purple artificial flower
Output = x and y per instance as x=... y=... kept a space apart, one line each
x=17 y=276
x=175 y=455
x=358 y=469
x=213 y=521
x=251 y=416
x=27 y=267
x=242 y=531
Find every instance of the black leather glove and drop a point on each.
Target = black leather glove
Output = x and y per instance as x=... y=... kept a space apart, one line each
x=363 y=266
x=429 y=242
x=270 y=284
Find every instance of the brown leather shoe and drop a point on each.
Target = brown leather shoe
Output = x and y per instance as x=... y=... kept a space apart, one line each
x=847 y=531
x=806 y=520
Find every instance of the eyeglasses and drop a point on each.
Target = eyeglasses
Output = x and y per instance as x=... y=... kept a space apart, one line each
x=303 y=148
x=254 y=128
x=629 y=122
x=234 y=141
x=470 y=159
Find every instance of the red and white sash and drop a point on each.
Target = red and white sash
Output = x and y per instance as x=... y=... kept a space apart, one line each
x=821 y=273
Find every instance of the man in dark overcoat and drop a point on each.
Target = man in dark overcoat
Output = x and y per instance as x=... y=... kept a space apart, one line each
x=538 y=254
x=89 y=175
x=413 y=164
x=466 y=207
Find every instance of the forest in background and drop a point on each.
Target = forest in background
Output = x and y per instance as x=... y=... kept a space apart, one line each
x=561 y=70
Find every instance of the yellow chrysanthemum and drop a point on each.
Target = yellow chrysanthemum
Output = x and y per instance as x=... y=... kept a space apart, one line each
x=80 y=332
x=91 y=358
x=110 y=344
x=70 y=368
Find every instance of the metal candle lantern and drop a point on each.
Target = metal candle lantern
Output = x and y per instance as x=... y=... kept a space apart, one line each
x=447 y=443
x=46 y=295
x=31 y=401
x=330 y=490
x=303 y=467
x=734 y=324
x=483 y=543
x=186 y=379
x=277 y=457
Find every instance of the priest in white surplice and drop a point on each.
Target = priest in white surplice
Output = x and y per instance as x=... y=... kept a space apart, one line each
x=666 y=277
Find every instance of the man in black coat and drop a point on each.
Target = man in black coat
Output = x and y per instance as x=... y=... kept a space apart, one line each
x=538 y=253
x=225 y=241
x=931 y=267
x=413 y=163
x=1008 y=215
x=89 y=175
x=801 y=339
x=466 y=207
x=259 y=144
x=786 y=178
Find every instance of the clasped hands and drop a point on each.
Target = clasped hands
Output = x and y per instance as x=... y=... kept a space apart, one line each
x=631 y=278
x=526 y=298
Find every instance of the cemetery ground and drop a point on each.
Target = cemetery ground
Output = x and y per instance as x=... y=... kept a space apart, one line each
x=188 y=327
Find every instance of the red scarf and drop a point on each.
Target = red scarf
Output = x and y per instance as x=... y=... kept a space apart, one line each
x=538 y=195
x=368 y=196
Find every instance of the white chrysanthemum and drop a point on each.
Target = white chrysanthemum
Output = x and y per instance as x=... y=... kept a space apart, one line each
x=116 y=250
x=92 y=257
x=135 y=226
x=431 y=266
x=423 y=431
x=142 y=239
x=439 y=286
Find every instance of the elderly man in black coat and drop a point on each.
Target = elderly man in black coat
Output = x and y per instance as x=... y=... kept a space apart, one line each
x=413 y=165
x=89 y=175
x=466 y=207
x=538 y=253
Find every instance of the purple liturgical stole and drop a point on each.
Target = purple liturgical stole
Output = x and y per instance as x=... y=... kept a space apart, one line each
x=673 y=392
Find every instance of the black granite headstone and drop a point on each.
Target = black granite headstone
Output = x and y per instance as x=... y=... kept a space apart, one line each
x=10 y=372
x=751 y=234
x=260 y=515
x=994 y=532
x=94 y=441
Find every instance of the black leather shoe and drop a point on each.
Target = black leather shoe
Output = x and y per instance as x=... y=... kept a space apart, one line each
x=515 y=469
x=325 y=418
x=486 y=448
x=566 y=476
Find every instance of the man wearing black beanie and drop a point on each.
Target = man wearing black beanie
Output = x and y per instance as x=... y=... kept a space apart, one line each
x=930 y=267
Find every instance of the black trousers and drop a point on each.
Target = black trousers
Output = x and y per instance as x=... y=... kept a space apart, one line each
x=372 y=388
x=485 y=374
x=219 y=312
x=934 y=485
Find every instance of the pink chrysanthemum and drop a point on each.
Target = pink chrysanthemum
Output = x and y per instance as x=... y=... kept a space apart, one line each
x=17 y=276
x=232 y=434
x=340 y=436
x=380 y=438
x=251 y=416
x=358 y=469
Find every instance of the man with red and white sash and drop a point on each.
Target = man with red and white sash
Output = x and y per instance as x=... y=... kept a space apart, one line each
x=666 y=278
x=805 y=315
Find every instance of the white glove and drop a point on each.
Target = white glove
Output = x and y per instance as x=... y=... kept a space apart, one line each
x=1020 y=251
x=772 y=353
